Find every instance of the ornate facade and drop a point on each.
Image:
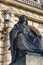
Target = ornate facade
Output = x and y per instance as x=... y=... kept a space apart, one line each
x=15 y=8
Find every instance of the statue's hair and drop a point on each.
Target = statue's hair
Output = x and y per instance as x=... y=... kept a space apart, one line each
x=21 y=19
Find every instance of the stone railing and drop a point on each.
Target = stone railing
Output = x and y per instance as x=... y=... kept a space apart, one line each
x=31 y=3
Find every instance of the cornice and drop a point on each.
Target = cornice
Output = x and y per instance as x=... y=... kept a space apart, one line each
x=30 y=18
x=22 y=6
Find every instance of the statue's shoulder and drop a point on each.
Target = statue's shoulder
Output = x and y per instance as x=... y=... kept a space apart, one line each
x=14 y=28
x=17 y=26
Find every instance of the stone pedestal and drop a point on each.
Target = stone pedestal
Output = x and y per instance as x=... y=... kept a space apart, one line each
x=34 y=60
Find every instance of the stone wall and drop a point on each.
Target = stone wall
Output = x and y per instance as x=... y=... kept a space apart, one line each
x=5 y=54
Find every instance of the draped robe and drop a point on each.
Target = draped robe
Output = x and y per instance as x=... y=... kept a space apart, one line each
x=21 y=41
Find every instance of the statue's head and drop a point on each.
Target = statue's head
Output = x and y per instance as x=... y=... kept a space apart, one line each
x=23 y=19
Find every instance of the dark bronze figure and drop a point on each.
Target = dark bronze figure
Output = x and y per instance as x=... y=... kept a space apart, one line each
x=22 y=41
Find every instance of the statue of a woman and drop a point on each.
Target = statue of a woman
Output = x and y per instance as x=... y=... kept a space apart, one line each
x=21 y=41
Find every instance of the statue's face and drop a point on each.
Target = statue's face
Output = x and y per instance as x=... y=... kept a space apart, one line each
x=24 y=20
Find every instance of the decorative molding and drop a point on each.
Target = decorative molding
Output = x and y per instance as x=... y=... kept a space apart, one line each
x=22 y=6
x=30 y=18
x=32 y=3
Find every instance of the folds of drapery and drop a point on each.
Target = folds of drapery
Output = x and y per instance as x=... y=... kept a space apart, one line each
x=21 y=43
x=24 y=43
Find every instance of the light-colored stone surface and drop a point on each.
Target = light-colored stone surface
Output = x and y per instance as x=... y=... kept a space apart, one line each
x=1 y=50
x=34 y=60
x=1 y=44
x=1 y=58
x=6 y=51
x=1 y=63
x=6 y=62
x=7 y=57
x=7 y=43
